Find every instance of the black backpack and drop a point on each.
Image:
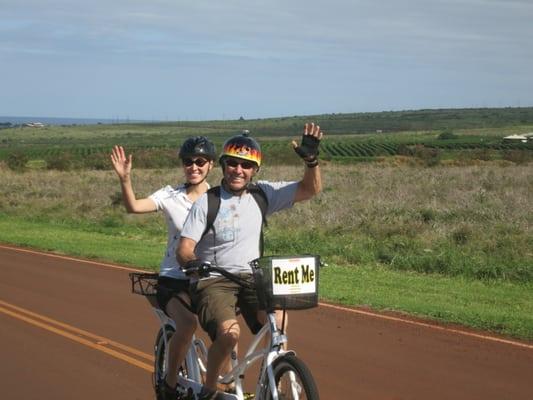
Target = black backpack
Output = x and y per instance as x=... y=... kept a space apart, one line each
x=213 y=205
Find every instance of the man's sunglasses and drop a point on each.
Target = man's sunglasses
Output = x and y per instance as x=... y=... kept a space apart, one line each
x=244 y=164
x=200 y=162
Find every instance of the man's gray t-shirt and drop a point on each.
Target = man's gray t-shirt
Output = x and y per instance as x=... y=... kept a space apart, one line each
x=234 y=241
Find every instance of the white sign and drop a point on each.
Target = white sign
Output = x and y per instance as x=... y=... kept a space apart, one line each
x=294 y=276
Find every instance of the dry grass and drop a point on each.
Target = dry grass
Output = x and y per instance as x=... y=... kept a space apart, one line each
x=433 y=200
x=443 y=219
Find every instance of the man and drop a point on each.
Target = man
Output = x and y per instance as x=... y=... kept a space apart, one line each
x=234 y=239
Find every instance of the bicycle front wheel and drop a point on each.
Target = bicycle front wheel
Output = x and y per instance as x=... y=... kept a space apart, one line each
x=293 y=380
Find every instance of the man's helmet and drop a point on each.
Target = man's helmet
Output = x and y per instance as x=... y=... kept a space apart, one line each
x=242 y=146
x=198 y=146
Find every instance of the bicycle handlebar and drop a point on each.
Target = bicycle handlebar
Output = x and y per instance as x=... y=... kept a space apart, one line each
x=203 y=269
x=263 y=278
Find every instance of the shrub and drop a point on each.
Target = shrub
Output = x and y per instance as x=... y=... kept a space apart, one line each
x=97 y=161
x=155 y=158
x=462 y=234
x=112 y=221
x=482 y=154
x=63 y=162
x=17 y=160
x=116 y=199
x=428 y=215
x=405 y=150
x=447 y=135
x=429 y=155
x=518 y=156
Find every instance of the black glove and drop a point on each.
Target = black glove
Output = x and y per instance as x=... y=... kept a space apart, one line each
x=308 y=149
x=196 y=266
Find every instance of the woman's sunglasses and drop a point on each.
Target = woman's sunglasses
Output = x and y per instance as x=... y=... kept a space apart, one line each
x=244 y=164
x=200 y=162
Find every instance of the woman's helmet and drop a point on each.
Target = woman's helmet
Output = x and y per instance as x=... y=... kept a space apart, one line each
x=198 y=146
x=242 y=146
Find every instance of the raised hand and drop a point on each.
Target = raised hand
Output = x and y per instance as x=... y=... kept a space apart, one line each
x=308 y=149
x=121 y=163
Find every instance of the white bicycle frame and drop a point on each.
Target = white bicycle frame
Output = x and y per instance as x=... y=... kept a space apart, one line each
x=197 y=355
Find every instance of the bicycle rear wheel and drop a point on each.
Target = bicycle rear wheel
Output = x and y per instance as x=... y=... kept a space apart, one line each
x=160 y=363
x=293 y=380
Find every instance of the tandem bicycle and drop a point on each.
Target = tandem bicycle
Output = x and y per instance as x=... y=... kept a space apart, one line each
x=281 y=283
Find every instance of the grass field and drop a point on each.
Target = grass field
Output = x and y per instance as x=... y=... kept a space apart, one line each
x=447 y=242
x=426 y=212
x=472 y=134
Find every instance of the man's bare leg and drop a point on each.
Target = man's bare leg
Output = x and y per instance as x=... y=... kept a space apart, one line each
x=228 y=333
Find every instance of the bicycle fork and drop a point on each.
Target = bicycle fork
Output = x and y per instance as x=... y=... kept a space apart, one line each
x=278 y=339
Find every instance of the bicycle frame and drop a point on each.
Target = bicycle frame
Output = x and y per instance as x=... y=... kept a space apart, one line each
x=277 y=364
x=196 y=363
x=253 y=354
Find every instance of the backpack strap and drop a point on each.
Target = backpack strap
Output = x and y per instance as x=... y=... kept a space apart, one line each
x=260 y=198
x=213 y=205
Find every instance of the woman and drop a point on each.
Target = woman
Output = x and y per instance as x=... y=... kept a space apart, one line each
x=197 y=155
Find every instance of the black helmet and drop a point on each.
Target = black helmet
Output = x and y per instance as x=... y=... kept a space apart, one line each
x=198 y=146
x=242 y=146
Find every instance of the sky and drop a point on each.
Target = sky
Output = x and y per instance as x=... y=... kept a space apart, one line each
x=226 y=59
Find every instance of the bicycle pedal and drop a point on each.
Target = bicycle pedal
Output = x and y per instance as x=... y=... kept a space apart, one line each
x=187 y=396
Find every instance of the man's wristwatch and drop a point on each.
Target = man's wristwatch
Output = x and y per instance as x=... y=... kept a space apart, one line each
x=312 y=163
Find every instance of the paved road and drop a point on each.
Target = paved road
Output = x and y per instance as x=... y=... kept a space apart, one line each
x=71 y=329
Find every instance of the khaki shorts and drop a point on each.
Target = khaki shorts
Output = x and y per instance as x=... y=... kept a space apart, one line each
x=215 y=300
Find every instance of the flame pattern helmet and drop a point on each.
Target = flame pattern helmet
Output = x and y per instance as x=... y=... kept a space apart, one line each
x=242 y=146
x=198 y=146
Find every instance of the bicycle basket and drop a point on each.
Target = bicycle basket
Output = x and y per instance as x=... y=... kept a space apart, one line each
x=286 y=283
x=145 y=284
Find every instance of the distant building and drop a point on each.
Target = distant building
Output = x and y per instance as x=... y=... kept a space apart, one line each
x=518 y=138
x=34 y=125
